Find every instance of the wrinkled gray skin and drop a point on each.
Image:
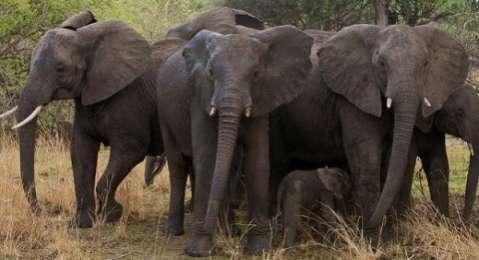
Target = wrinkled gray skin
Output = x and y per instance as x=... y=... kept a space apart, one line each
x=104 y=67
x=304 y=192
x=458 y=117
x=213 y=18
x=229 y=84
x=358 y=69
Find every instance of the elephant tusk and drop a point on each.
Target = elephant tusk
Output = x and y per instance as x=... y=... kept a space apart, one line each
x=471 y=148
x=426 y=101
x=9 y=112
x=389 y=102
x=212 y=111
x=248 y=112
x=29 y=118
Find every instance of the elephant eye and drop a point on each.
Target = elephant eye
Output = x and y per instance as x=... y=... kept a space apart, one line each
x=426 y=63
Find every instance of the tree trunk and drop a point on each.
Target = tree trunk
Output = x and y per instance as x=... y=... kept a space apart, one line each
x=381 y=7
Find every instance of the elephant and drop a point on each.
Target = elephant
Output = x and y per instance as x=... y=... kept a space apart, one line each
x=213 y=18
x=322 y=190
x=114 y=105
x=228 y=83
x=372 y=85
x=458 y=117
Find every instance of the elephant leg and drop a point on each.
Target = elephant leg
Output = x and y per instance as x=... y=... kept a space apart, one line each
x=362 y=141
x=435 y=164
x=258 y=173
x=328 y=214
x=200 y=241
x=84 y=156
x=178 y=169
x=124 y=156
x=291 y=215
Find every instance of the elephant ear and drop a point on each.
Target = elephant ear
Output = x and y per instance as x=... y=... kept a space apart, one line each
x=346 y=68
x=332 y=182
x=447 y=68
x=117 y=56
x=287 y=67
x=196 y=53
x=77 y=21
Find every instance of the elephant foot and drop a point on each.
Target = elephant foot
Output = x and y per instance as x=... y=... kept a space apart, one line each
x=257 y=244
x=173 y=230
x=234 y=230
x=112 y=213
x=373 y=234
x=200 y=245
x=82 y=219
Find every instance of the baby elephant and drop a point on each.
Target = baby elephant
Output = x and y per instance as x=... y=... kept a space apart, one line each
x=323 y=189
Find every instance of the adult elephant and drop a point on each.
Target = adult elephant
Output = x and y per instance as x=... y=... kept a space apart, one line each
x=415 y=69
x=458 y=117
x=370 y=82
x=114 y=105
x=227 y=84
x=212 y=20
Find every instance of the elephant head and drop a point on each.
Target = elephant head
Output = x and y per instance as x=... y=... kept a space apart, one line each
x=210 y=19
x=460 y=117
x=335 y=181
x=85 y=60
x=414 y=69
x=238 y=76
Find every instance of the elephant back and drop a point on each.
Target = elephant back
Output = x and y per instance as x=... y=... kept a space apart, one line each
x=164 y=48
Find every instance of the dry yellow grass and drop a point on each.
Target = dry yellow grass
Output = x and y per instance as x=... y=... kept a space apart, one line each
x=422 y=235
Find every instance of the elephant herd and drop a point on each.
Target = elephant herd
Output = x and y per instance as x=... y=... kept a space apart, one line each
x=221 y=94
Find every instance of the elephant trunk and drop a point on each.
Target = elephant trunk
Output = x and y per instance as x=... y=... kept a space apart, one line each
x=472 y=177
x=405 y=109
x=228 y=124
x=26 y=135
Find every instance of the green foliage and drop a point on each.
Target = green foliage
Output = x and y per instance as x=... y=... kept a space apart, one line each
x=320 y=14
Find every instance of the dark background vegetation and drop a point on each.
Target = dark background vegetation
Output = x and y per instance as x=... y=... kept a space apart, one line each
x=22 y=22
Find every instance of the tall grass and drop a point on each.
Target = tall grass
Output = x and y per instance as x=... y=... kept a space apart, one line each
x=421 y=235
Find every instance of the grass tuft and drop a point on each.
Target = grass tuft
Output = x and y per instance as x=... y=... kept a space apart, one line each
x=423 y=234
